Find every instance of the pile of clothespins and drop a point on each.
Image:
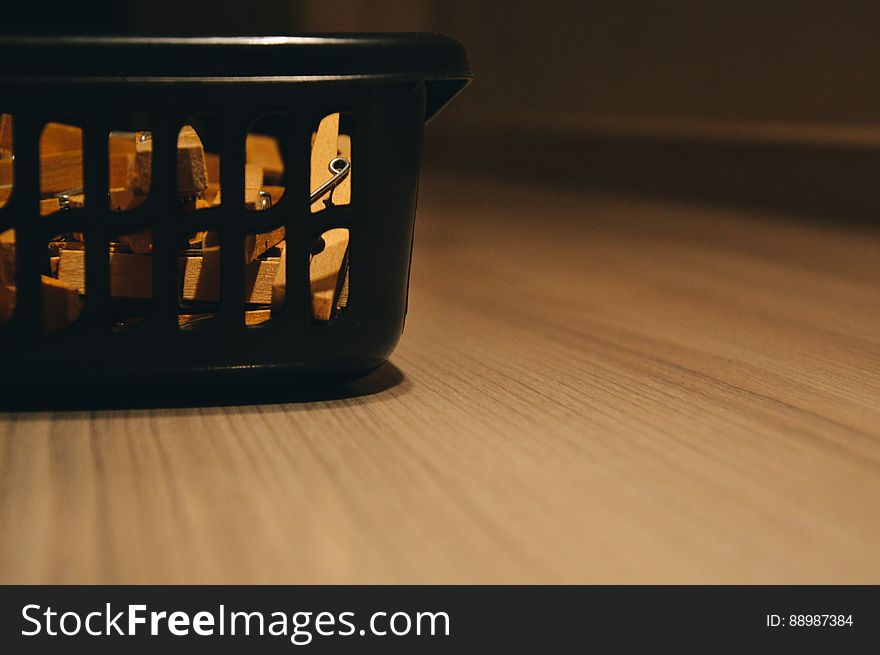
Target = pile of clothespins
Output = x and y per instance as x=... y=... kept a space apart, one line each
x=198 y=187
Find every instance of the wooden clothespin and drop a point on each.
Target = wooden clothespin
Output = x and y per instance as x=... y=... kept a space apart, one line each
x=342 y=195
x=131 y=275
x=192 y=165
x=61 y=166
x=253 y=184
x=7 y=274
x=324 y=149
x=263 y=151
x=328 y=273
x=62 y=303
x=212 y=192
x=6 y=156
x=201 y=279
x=6 y=149
x=255 y=245
x=328 y=261
x=279 y=284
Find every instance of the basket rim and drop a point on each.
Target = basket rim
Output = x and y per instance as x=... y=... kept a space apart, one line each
x=437 y=59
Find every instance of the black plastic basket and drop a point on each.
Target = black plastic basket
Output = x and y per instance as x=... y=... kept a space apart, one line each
x=389 y=84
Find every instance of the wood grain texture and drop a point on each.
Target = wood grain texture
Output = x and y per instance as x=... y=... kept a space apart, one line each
x=589 y=389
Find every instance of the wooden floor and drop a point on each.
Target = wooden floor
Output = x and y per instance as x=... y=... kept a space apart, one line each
x=590 y=389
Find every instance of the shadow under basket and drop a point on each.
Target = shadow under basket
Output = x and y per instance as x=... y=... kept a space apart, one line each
x=386 y=87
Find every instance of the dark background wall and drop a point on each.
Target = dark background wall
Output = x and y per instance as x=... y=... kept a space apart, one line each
x=774 y=60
